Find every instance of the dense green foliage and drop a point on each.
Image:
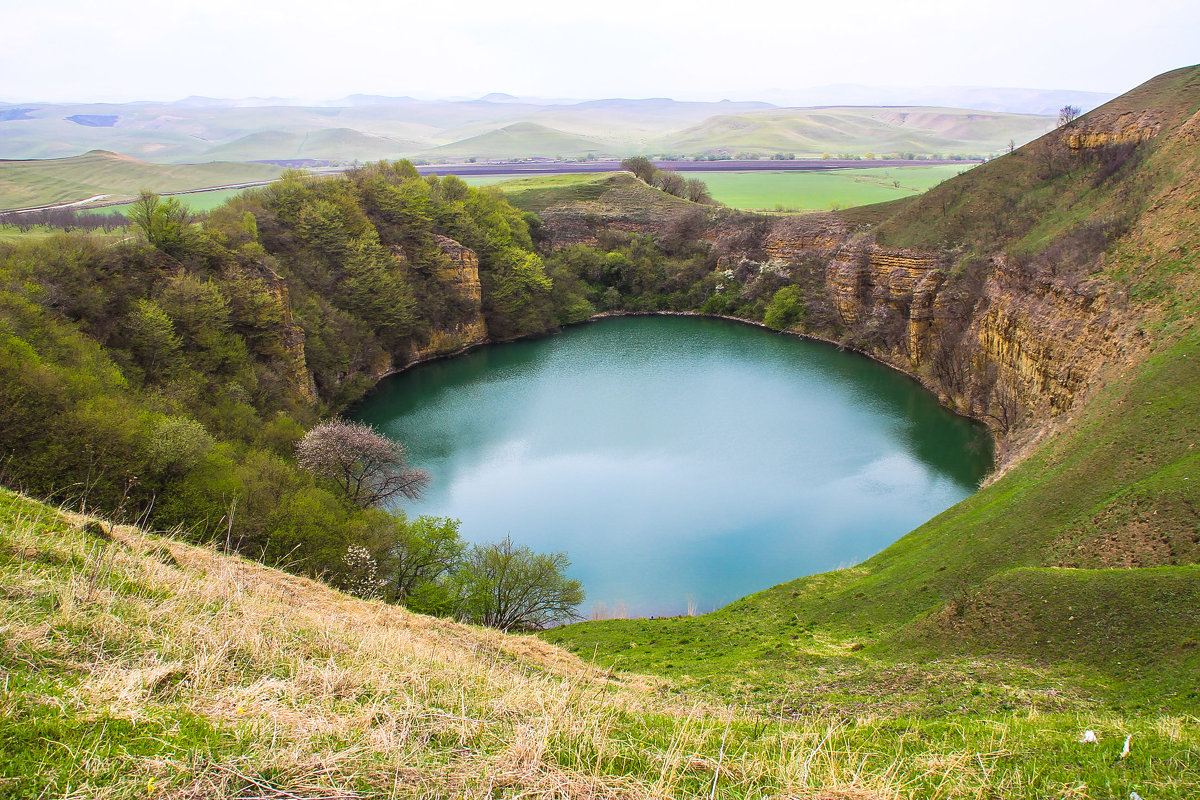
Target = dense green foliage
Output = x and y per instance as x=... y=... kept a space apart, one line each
x=168 y=376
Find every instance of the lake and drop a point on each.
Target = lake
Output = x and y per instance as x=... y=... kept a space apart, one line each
x=679 y=461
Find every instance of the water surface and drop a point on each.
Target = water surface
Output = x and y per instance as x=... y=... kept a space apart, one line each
x=679 y=458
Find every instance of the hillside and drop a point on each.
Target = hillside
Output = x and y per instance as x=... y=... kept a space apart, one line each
x=522 y=140
x=813 y=131
x=497 y=128
x=184 y=672
x=63 y=180
x=1052 y=293
x=329 y=144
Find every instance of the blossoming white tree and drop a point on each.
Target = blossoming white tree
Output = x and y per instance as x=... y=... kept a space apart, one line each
x=369 y=467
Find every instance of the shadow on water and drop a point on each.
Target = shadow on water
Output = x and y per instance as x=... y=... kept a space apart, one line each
x=680 y=457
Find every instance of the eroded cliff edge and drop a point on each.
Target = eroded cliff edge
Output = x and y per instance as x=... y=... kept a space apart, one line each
x=1010 y=290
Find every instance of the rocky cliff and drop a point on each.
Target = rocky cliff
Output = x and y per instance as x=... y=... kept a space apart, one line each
x=457 y=277
x=1006 y=290
x=460 y=278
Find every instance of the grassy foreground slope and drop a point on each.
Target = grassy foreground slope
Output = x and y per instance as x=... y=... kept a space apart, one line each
x=64 y=180
x=139 y=666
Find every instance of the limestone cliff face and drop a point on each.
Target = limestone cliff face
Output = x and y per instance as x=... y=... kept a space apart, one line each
x=459 y=276
x=1039 y=339
x=1102 y=129
x=292 y=339
x=1047 y=339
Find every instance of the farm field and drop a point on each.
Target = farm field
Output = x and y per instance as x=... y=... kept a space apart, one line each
x=820 y=191
x=196 y=202
x=770 y=191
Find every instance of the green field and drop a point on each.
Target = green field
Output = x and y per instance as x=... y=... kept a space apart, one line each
x=771 y=191
x=197 y=202
x=820 y=191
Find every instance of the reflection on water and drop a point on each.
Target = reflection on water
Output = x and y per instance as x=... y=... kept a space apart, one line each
x=677 y=457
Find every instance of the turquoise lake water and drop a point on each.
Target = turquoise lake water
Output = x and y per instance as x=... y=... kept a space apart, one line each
x=679 y=459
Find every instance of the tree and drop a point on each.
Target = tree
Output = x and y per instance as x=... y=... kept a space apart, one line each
x=164 y=223
x=786 y=307
x=152 y=339
x=642 y=168
x=671 y=182
x=696 y=190
x=367 y=466
x=511 y=587
x=1068 y=114
x=422 y=554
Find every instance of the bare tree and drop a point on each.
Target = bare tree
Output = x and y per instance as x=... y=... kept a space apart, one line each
x=671 y=182
x=697 y=191
x=369 y=467
x=1005 y=409
x=1068 y=114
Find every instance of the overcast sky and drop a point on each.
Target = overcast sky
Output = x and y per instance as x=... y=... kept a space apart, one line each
x=688 y=49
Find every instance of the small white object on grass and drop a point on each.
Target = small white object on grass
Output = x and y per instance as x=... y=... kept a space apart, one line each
x=1134 y=796
x=1088 y=736
x=1125 y=749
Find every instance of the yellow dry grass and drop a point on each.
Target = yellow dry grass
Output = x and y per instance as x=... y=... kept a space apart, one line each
x=329 y=696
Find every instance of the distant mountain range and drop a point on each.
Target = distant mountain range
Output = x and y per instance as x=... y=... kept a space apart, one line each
x=982 y=98
x=847 y=119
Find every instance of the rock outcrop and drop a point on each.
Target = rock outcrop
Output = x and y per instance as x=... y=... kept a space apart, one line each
x=460 y=277
x=457 y=276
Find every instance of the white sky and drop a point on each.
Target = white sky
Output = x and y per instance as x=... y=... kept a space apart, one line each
x=85 y=50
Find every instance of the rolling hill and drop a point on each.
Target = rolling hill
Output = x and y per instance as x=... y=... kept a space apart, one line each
x=813 y=131
x=63 y=180
x=329 y=144
x=388 y=127
x=522 y=140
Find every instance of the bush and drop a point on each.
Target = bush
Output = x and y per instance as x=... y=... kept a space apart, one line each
x=785 y=309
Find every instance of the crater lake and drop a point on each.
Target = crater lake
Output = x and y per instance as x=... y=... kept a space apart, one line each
x=680 y=462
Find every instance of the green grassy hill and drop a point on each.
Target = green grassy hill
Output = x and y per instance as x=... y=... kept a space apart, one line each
x=813 y=131
x=521 y=140
x=333 y=144
x=64 y=180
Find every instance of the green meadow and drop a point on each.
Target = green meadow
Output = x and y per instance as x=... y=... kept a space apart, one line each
x=821 y=191
x=774 y=191
x=196 y=202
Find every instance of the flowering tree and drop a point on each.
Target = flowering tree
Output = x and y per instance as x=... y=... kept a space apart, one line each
x=369 y=467
x=361 y=577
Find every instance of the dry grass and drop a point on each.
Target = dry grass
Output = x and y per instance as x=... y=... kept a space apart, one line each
x=316 y=694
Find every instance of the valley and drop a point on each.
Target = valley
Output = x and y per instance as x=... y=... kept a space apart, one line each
x=207 y=633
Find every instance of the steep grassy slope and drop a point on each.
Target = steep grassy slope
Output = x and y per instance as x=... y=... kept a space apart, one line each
x=138 y=666
x=64 y=180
